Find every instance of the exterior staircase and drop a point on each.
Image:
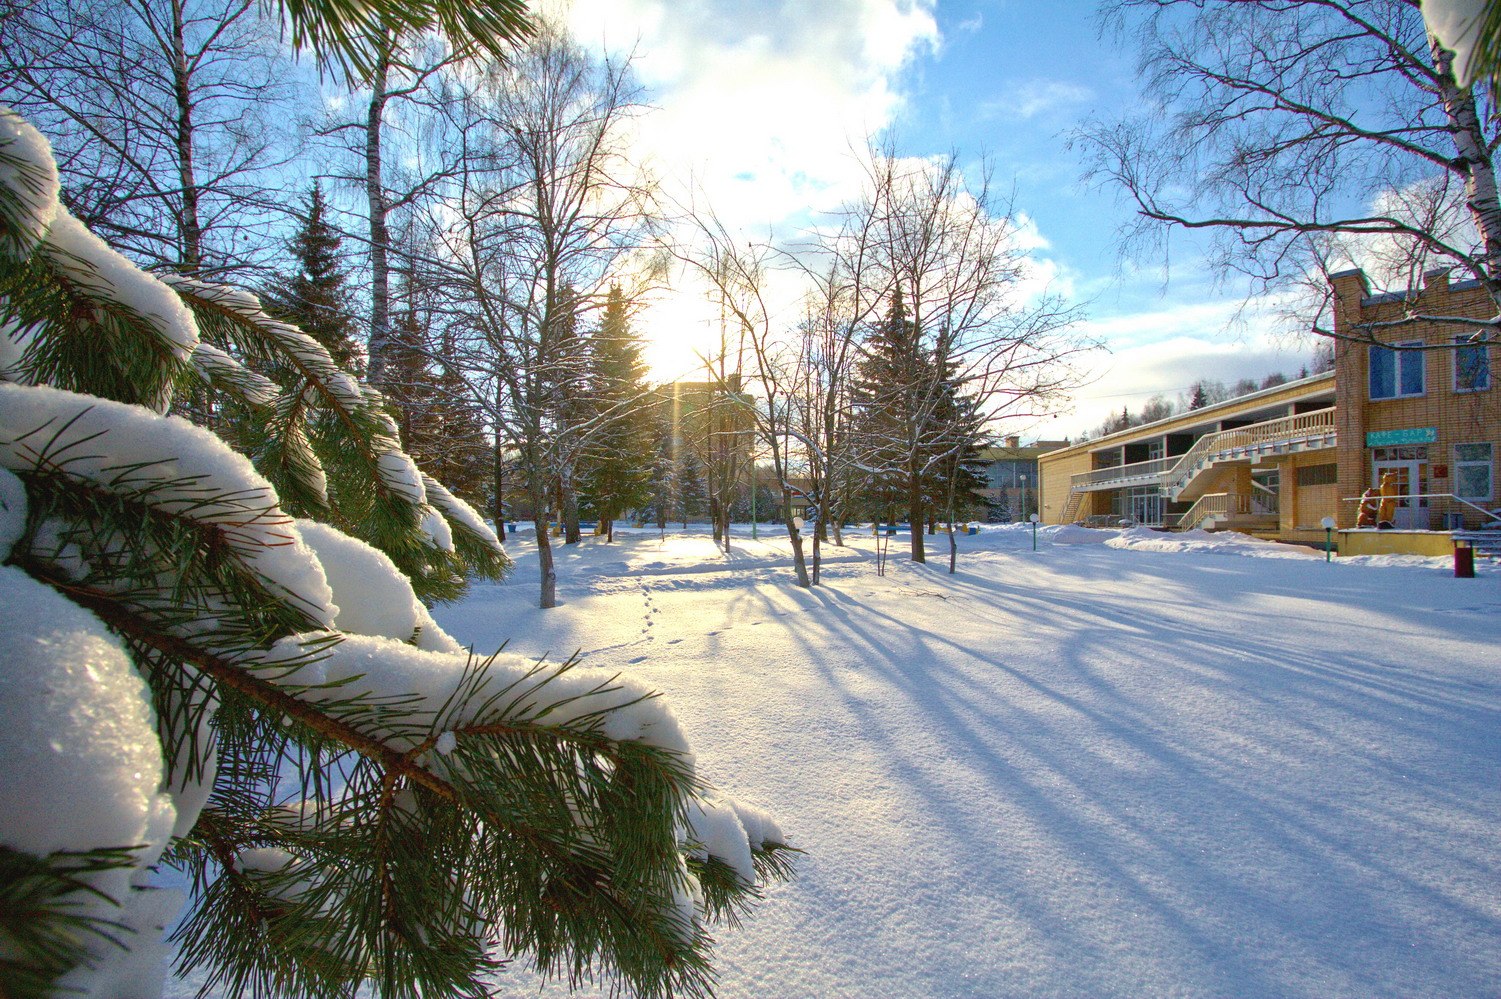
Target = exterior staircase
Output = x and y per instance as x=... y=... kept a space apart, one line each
x=1303 y=432
x=1071 y=506
x=1181 y=478
x=1241 y=510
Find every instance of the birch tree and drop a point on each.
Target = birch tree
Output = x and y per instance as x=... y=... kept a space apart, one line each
x=546 y=213
x=1305 y=136
x=738 y=279
x=165 y=119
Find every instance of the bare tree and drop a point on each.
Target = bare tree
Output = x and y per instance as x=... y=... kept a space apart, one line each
x=392 y=156
x=163 y=118
x=545 y=212
x=962 y=344
x=1306 y=135
x=738 y=279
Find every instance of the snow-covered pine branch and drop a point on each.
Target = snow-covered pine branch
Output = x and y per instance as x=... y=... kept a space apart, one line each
x=191 y=676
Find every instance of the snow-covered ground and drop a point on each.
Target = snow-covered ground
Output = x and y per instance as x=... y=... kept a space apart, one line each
x=1100 y=769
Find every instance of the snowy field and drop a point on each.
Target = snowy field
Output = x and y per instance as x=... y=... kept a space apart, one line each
x=1163 y=765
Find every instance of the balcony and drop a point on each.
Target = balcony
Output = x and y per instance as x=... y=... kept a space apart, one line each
x=1177 y=476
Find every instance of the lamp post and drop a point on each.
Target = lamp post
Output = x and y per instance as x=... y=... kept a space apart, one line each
x=1328 y=523
x=1033 y=519
x=1023 y=479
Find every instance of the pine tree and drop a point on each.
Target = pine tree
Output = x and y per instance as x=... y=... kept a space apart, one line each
x=894 y=393
x=354 y=798
x=314 y=296
x=616 y=472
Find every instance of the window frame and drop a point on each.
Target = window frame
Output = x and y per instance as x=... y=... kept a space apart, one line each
x=1466 y=342
x=1400 y=360
x=1488 y=463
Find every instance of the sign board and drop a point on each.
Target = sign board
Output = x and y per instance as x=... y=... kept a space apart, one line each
x=1389 y=438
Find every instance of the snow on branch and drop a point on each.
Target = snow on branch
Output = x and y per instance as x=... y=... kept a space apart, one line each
x=28 y=186
x=184 y=470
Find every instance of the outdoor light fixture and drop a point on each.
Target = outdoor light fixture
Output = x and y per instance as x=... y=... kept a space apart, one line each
x=1033 y=519
x=1328 y=523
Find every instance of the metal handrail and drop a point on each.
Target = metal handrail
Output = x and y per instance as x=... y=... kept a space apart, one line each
x=1219 y=504
x=1402 y=496
x=1116 y=473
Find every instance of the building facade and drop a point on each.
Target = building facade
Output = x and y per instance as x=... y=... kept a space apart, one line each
x=1417 y=399
x=1409 y=397
x=1264 y=462
x=1011 y=482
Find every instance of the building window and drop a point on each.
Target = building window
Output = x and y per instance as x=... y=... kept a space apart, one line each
x=1472 y=471
x=1318 y=475
x=1407 y=452
x=1396 y=373
x=1472 y=363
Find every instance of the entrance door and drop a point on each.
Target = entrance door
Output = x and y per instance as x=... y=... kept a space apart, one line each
x=1412 y=480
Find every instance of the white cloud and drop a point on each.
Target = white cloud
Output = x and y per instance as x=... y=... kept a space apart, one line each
x=1033 y=98
x=1164 y=352
x=760 y=103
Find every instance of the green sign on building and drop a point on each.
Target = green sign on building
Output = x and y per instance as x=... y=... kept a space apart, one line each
x=1390 y=438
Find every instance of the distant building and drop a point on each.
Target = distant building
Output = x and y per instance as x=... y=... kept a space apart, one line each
x=1010 y=491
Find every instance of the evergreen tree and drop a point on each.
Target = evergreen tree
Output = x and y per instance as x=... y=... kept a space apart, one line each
x=898 y=396
x=313 y=297
x=692 y=493
x=615 y=475
x=352 y=797
x=464 y=458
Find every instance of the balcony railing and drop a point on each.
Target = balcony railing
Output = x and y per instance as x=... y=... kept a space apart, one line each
x=1287 y=433
x=1139 y=473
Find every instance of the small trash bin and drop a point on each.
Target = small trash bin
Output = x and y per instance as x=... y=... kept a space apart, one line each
x=1464 y=559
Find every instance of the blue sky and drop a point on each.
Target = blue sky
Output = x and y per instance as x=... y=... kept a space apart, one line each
x=758 y=104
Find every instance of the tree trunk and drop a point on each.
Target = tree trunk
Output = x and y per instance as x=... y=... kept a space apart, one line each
x=799 y=562
x=375 y=194
x=916 y=516
x=569 y=502
x=953 y=540
x=189 y=229
x=1474 y=159
x=548 y=569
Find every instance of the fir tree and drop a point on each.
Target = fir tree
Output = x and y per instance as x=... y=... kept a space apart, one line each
x=313 y=297
x=355 y=800
x=616 y=472
x=895 y=392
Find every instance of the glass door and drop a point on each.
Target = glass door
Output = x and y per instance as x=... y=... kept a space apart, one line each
x=1412 y=481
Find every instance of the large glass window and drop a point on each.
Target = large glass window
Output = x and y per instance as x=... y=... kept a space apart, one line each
x=1473 y=469
x=1472 y=364
x=1396 y=372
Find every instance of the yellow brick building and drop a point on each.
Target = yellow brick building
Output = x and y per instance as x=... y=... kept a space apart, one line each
x=1416 y=399
x=1426 y=409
